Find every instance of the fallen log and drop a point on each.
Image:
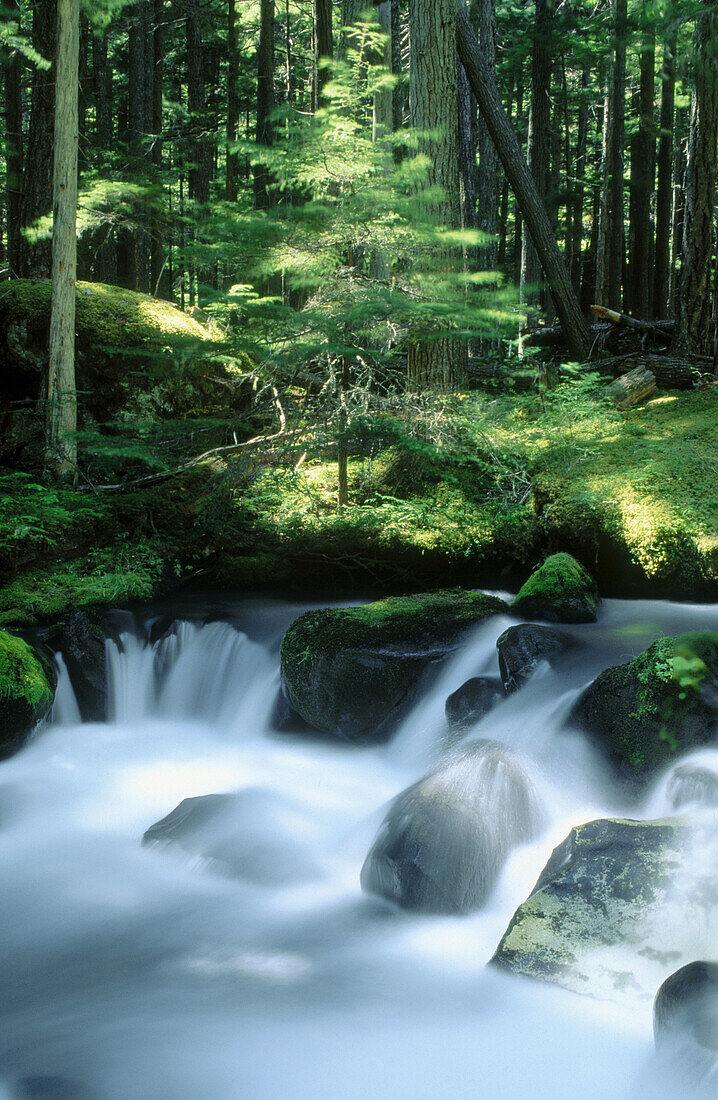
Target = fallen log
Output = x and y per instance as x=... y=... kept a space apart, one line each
x=631 y=388
x=551 y=336
x=671 y=372
x=657 y=330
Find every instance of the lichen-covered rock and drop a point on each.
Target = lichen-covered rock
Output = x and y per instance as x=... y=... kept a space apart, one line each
x=353 y=672
x=27 y=687
x=471 y=702
x=444 y=841
x=660 y=704
x=521 y=650
x=686 y=1006
x=610 y=915
x=559 y=591
x=250 y=834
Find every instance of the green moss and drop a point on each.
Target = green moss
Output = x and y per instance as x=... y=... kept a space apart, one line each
x=560 y=590
x=22 y=676
x=657 y=705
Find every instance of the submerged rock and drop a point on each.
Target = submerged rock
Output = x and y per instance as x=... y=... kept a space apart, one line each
x=691 y=785
x=249 y=834
x=610 y=913
x=559 y=591
x=27 y=688
x=523 y=648
x=445 y=840
x=471 y=702
x=660 y=704
x=353 y=672
x=686 y=1006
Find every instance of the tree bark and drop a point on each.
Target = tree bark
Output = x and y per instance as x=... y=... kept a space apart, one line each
x=13 y=160
x=643 y=161
x=534 y=211
x=323 y=48
x=232 y=169
x=679 y=204
x=631 y=388
x=538 y=140
x=37 y=184
x=578 y=189
x=615 y=248
x=156 y=246
x=487 y=177
x=661 y=279
x=61 y=451
x=265 y=101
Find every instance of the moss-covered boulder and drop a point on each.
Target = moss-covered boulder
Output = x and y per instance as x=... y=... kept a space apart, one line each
x=352 y=672
x=605 y=918
x=663 y=702
x=27 y=687
x=559 y=591
x=444 y=841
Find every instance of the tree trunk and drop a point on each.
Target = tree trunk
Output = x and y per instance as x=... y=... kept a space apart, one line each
x=265 y=100
x=103 y=242
x=232 y=173
x=13 y=160
x=615 y=248
x=694 y=295
x=538 y=140
x=37 y=184
x=631 y=388
x=199 y=172
x=487 y=179
x=323 y=48
x=643 y=159
x=677 y=218
x=661 y=278
x=534 y=211
x=61 y=452
x=440 y=363
x=383 y=106
x=578 y=186
x=157 y=249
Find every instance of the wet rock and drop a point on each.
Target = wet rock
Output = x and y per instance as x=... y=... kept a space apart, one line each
x=81 y=641
x=472 y=702
x=610 y=914
x=686 y=1006
x=353 y=672
x=250 y=834
x=559 y=591
x=27 y=688
x=444 y=841
x=657 y=706
x=691 y=785
x=523 y=648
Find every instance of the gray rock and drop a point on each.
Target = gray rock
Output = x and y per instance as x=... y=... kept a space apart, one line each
x=521 y=650
x=445 y=840
x=613 y=911
x=686 y=1006
x=471 y=702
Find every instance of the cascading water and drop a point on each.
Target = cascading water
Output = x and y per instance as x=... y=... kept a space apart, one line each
x=234 y=955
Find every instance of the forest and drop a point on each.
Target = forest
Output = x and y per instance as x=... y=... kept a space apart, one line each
x=359 y=549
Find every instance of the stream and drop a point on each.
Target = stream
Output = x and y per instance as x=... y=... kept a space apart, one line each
x=138 y=972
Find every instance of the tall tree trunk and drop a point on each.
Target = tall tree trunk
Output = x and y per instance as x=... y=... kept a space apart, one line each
x=487 y=180
x=157 y=249
x=539 y=139
x=199 y=172
x=397 y=67
x=512 y=158
x=103 y=244
x=679 y=205
x=578 y=189
x=37 y=184
x=323 y=47
x=138 y=126
x=265 y=100
x=661 y=283
x=440 y=363
x=383 y=105
x=61 y=450
x=643 y=166
x=231 y=177
x=694 y=295
x=615 y=246
x=13 y=159
x=467 y=156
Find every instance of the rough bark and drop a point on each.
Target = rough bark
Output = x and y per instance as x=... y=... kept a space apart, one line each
x=487 y=178
x=265 y=100
x=577 y=197
x=615 y=249
x=37 y=189
x=677 y=217
x=157 y=249
x=138 y=126
x=661 y=279
x=643 y=160
x=232 y=132
x=61 y=454
x=538 y=139
x=694 y=297
x=323 y=48
x=631 y=388
x=199 y=171
x=534 y=211
x=13 y=160
x=440 y=363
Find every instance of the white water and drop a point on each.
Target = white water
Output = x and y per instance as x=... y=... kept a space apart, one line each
x=132 y=972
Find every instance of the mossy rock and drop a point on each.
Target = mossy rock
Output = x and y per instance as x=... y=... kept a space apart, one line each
x=27 y=687
x=660 y=704
x=560 y=591
x=353 y=672
x=605 y=918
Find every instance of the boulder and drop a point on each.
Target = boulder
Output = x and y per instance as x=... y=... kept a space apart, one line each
x=27 y=688
x=611 y=914
x=657 y=706
x=559 y=591
x=523 y=648
x=81 y=641
x=691 y=785
x=250 y=834
x=445 y=840
x=353 y=672
x=686 y=1006
x=471 y=702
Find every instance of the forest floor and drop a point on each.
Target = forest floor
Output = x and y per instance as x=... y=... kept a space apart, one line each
x=505 y=479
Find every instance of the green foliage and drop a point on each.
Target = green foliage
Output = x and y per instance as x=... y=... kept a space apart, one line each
x=35 y=518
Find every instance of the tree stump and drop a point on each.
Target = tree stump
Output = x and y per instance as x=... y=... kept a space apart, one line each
x=631 y=388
